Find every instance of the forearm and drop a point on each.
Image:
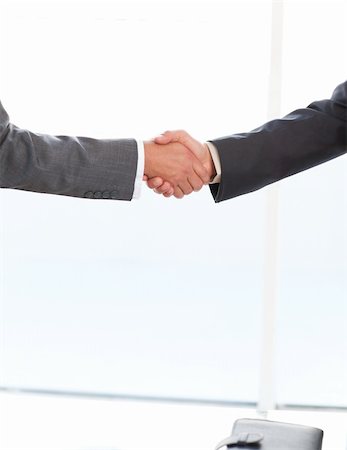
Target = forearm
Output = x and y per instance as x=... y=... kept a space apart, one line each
x=78 y=167
x=280 y=148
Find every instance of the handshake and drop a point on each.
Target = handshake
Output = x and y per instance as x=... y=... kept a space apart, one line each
x=177 y=164
x=174 y=163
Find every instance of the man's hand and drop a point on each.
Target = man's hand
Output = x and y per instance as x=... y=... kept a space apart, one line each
x=175 y=164
x=161 y=185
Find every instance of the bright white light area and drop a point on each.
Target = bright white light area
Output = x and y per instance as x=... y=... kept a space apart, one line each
x=30 y=422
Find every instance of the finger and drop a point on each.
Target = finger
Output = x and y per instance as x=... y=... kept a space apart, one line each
x=165 y=187
x=178 y=193
x=201 y=172
x=169 y=193
x=155 y=182
x=196 y=182
x=145 y=178
x=185 y=187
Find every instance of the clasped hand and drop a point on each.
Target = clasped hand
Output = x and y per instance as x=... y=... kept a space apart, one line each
x=177 y=164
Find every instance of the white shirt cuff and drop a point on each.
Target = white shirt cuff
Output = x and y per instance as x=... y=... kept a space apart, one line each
x=140 y=169
x=216 y=161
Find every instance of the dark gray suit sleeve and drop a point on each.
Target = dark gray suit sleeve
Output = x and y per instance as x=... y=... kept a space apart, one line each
x=73 y=166
x=280 y=148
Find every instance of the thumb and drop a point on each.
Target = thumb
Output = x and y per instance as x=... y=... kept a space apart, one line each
x=188 y=141
x=164 y=138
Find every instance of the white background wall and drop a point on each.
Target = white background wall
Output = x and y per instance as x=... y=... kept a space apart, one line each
x=163 y=297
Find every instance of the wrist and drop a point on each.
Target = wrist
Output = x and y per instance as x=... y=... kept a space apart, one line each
x=208 y=163
x=149 y=155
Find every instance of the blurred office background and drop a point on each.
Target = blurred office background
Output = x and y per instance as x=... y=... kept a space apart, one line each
x=156 y=323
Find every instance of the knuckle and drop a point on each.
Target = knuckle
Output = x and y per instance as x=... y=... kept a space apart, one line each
x=188 y=168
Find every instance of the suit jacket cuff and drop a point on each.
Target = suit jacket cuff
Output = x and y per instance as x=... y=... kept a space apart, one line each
x=216 y=161
x=139 y=170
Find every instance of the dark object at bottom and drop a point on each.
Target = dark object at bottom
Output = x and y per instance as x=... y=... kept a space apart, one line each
x=255 y=434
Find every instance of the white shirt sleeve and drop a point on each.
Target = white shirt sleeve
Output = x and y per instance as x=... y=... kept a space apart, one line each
x=140 y=169
x=216 y=161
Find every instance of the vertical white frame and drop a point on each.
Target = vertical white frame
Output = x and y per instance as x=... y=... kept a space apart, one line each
x=267 y=379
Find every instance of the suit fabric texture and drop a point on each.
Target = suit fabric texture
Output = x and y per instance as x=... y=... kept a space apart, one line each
x=65 y=165
x=280 y=148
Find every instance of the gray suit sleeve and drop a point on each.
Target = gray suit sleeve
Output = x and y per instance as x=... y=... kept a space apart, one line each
x=64 y=165
x=280 y=148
